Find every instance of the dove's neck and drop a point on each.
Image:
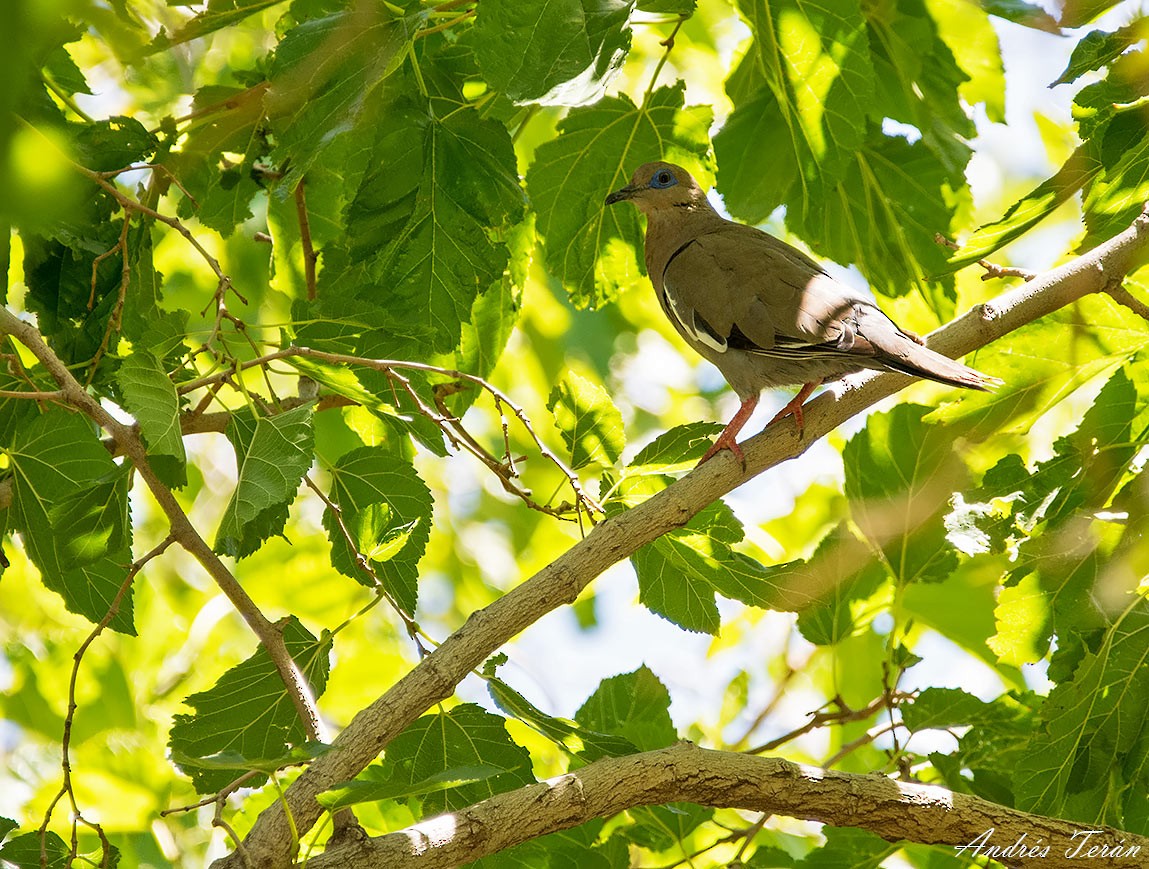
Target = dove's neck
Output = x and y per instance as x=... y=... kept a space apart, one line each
x=668 y=229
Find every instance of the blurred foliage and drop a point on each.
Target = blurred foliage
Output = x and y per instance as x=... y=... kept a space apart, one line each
x=188 y=190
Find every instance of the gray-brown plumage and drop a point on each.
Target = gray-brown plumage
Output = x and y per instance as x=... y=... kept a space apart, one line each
x=763 y=312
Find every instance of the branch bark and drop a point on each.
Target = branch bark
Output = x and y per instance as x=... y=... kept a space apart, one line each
x=270 y=843
x=894 y=810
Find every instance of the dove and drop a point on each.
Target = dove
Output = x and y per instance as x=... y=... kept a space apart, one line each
x=764 y=313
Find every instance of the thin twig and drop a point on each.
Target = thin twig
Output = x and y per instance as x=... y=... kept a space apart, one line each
x=668 y=43
x=820 y=719
x=69 y=718
x=445 y=423
x=992 y=269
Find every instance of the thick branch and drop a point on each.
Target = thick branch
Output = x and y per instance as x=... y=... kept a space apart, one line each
x=434 y=679
x=894 y=810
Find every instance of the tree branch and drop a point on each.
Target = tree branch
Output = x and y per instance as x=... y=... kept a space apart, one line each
x=894 y=810
x=127 y=442
x=269 y=843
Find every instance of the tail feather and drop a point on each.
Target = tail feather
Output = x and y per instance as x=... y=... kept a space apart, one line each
x=905 y=352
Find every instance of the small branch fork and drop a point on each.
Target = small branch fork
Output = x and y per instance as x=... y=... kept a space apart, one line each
x=452 y=428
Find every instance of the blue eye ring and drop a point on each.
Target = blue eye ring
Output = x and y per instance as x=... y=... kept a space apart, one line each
x=662 y=179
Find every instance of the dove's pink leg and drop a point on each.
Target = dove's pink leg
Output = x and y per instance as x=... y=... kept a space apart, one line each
x=726 y=440
x=794 y=407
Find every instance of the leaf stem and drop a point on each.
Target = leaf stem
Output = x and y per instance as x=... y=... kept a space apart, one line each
x=669 y=44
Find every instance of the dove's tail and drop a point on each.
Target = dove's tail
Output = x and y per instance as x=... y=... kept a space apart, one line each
x=903 y=351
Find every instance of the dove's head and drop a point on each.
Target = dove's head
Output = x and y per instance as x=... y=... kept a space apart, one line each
x=658 y=186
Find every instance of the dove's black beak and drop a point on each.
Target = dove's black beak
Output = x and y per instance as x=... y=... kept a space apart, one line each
x=621 y=194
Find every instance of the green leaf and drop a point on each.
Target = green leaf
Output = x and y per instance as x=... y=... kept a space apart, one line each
x=272 y=454
x=581 y=742
x=70 y=505
x=591 y=249
x=673 y=581
x=942 y=708
x=358 y=791
x=1076 y=13
x=635 y=706
x=668 y=7
x=883 y=217
x=386 y=510
x=467 y=745
x=150 y=396
x=1045 y=361
x=1097 y=49
x=900 y=473
x=1020 y=12
x=663 y=827
x=831 y=590
x=590 y=424
x=216 y=16
x=428 y=219
x=28 y=850
x=562 y=52
x=248 y=712
x=1081 y=168
x=1093 y=727
x=675 y=450
x=64 y=72
x=806 y=83
x=325 y=74
x=847 y=846
x=233 y=760
x=969 y=34
x=92 y=522
x=1117 y=196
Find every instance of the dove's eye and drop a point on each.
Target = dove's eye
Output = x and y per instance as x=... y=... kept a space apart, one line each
x=663 y=178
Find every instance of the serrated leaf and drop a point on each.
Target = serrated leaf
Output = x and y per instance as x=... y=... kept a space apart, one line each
x=272 y=454
x=829 y=590
x=562 y=52
x=1097 y=49
x=69 y=503
x=847 y=846
x=248 y=712
x=673 y=580
x=894 y=197
x=970 y=35
x=801 y=94
x=353 y=792
x=33 y=850
x=428 y=220
x=590 y=424
x=386 y=509
x=1090 y=726
x=1025 y=14
x=215 y=17
x=92 y=522
x=582 y=742
x=635 y=706
x=325 y=72
x=900 y=473
x=150 y=396
x=591 y=249
x=674 y=450
x=1077 y=171
x=436 y=747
